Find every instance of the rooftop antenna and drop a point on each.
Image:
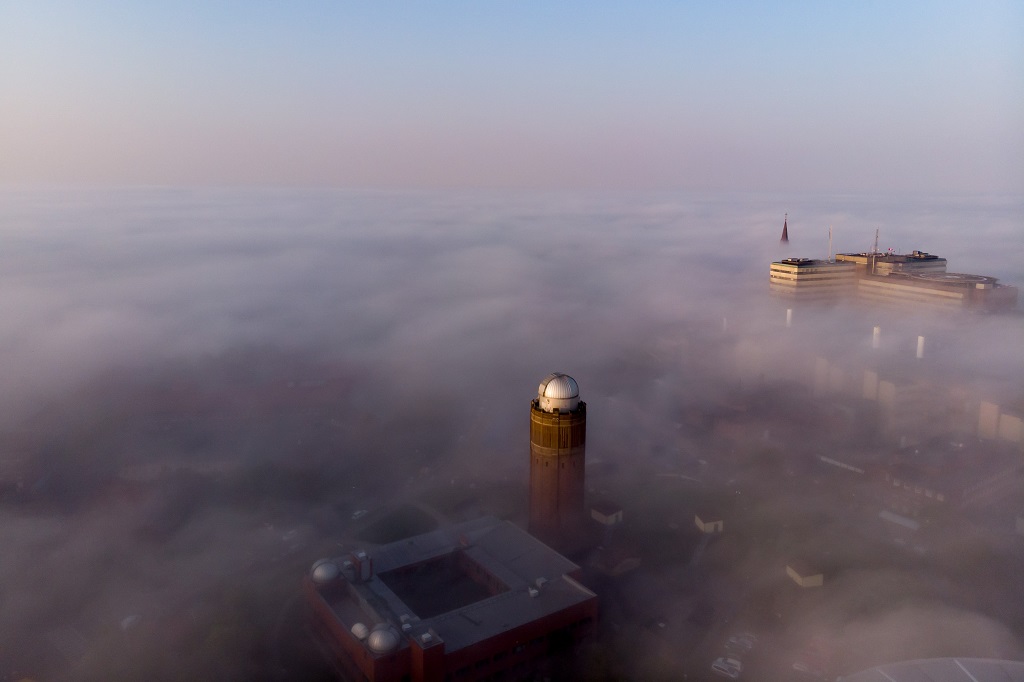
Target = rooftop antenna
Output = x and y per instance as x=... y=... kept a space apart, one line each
x=829 y=243
x=873 y=256
x=785 y=230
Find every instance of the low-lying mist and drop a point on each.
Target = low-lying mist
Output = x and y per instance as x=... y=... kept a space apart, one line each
x=203 y=387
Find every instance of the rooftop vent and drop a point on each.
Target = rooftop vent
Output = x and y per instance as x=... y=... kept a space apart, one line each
x=324 y=571
x=383 y=639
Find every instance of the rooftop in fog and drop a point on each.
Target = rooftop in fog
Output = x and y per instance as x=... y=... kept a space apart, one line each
x=467 y=583
x=943 y=670
x=911 y=280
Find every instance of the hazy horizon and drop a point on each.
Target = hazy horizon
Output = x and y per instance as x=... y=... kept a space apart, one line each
x=795 y=96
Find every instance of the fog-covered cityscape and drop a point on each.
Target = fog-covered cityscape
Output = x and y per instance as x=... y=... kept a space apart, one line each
x=430 y=342
x=194 y=416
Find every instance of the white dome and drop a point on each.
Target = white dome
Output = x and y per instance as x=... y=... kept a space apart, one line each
x=360 y=631
x=324 y=571
x=558 y=393
x=383 y=639
x=558 y=385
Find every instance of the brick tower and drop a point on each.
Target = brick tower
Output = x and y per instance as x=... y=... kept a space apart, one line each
x=558 y=435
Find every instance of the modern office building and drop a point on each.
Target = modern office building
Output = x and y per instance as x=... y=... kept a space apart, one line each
x=807 y=279
x=878 y=263
x=916 y=279
x=558 y=435
x=479 y=600
x=938 y=290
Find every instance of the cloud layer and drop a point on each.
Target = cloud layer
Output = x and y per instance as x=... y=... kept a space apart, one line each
x=202 y=386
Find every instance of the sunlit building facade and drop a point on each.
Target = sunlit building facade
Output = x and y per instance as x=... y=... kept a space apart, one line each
x=916 y=279
x=558 y=435
x=807 y=279
x=938 y=290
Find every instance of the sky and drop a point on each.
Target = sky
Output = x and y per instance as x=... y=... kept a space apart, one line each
x=855 y=97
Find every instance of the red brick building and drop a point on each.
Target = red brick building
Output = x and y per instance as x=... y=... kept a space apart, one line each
x=475 y=601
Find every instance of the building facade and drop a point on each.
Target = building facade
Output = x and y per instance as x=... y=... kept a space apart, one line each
x=916 y=279
x=808 y=279
x=558 y=436
x=938 y=290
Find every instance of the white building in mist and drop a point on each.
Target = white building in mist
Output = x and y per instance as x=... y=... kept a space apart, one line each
x=915 y=279
x=807 y=279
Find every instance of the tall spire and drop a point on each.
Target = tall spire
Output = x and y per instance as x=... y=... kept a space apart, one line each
x=785 y=230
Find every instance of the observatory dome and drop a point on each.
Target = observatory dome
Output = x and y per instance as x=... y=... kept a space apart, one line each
x=558 y=393
x=383 y=639
x=324 y=571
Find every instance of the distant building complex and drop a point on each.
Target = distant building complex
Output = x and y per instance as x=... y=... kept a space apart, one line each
x=939 y=473
x=917 y=278
x=473 y=601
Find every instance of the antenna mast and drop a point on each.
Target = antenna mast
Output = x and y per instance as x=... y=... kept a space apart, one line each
x=829 y=243
x=872 y=263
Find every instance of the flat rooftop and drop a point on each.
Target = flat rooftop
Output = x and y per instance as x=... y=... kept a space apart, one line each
x=943 y=670
x=437 y=586
x=957 y=280
x=466 y=582
x=890 y=257
x=812 y=262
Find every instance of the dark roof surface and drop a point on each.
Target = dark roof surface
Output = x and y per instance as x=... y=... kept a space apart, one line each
x=535 y=575
x=943 y=670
